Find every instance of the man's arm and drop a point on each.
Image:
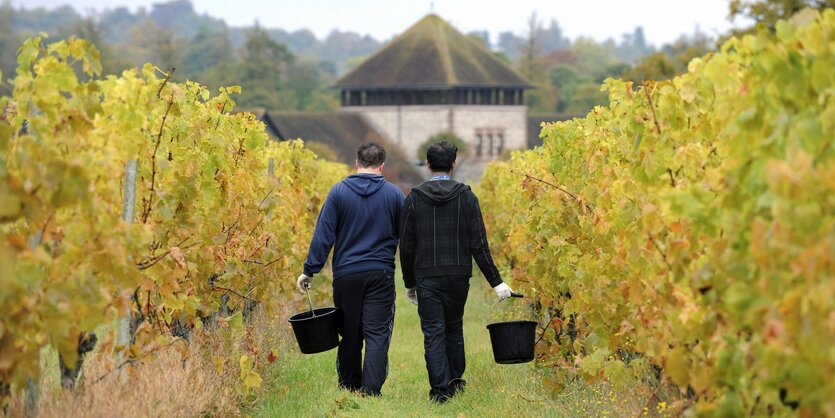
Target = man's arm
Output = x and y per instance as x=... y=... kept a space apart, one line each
x=407 y=242
x=324 y=236
x=479 y=247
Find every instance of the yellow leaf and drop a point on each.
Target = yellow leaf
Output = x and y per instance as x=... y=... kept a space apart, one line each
x=252 y=380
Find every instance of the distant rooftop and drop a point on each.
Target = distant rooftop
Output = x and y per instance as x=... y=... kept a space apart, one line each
x=343 y=132
x=431 y=55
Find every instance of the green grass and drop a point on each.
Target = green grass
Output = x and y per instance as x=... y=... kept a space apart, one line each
x=306 y=385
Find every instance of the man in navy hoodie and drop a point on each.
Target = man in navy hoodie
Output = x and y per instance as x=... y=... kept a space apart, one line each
x=359 y=220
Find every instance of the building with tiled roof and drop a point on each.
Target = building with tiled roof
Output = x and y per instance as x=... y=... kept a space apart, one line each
x=434 y=79
x=430 y=79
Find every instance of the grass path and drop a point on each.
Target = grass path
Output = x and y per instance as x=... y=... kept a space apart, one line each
x=305 y=385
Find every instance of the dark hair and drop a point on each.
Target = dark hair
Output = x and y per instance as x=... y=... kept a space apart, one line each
x=371 y=154
x=440 y=156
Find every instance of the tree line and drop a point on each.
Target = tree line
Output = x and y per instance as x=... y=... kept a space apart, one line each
x=284 y=70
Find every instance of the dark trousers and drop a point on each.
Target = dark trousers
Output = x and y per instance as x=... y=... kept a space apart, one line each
x=441 y=303
x=367 y=304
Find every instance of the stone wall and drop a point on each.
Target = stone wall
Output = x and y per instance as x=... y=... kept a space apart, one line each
x=467 y=170
x=410 y=126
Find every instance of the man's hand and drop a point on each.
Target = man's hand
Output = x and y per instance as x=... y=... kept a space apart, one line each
x=411 y=294
x=303 y=282
x=503 y=291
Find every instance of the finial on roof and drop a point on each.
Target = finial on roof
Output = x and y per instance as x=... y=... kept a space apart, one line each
x=432 y=7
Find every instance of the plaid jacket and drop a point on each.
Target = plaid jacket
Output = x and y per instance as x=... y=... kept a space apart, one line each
x=441 y=232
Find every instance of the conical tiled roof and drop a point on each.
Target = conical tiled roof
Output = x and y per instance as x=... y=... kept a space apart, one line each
x=431 y=54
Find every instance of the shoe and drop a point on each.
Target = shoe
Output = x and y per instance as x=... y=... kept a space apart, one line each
x=368 y=394
x=440 y=396
x=457 y=386
x=354 y=389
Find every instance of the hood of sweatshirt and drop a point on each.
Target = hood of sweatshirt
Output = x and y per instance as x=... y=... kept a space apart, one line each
x=439 y=192
x=365 y=184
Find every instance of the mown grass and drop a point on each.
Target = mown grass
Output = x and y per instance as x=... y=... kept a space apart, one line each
x=306 y=385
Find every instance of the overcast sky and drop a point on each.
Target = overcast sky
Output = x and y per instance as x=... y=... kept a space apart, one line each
x=663 y=20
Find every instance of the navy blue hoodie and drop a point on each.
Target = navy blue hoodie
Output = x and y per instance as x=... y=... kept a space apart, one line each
x=360 y=221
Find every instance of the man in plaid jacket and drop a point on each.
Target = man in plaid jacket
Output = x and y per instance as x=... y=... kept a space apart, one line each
x=442 y=231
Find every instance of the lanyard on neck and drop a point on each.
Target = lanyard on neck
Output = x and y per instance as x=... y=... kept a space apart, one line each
x=443 y=177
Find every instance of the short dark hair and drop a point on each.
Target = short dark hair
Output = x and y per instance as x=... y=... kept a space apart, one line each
x=371 y=154
x=440 y=156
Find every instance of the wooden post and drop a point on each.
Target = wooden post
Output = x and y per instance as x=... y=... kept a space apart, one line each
x=32 y=396
x=32 y=385
x=128 y=206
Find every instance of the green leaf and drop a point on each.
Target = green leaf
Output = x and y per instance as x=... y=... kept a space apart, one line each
x=172 y=302
x=10 y=205
x=236 y=322
x=677 y=366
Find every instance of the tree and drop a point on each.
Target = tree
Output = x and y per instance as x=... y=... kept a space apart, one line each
x=119 y=18
x=168 y=49
x=91 y=29
x=160 y=46
x=532 y=65
x=509 y=44
x=305 y=82
x=633 y=46
x=208 y=49
x=657 y=66
x=671 y=60
x=685 y=48
x=552 y=38
x=595 y=59
x=567 y=80
x=9 y=42
x=262 y=63
x=766 y=13
x=586 y=97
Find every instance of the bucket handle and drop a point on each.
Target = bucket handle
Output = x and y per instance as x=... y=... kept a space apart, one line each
x=309 y=300
x=520 y=296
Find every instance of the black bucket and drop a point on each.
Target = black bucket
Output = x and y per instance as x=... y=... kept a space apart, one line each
x=513 y=341
x=318 y=332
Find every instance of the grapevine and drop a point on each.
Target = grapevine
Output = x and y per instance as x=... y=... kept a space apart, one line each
x=691 y=224
x=212 y=226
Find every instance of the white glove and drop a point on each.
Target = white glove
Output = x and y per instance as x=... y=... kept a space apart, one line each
x=503 y=291
x=411 y=294
x=303 y=282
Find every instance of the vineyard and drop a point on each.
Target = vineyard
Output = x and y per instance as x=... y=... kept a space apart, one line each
x=682 y=238
x=134 y=199
x=689 y=228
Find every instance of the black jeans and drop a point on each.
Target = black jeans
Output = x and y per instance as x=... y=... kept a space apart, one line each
x=441 y=303
x=367 y=304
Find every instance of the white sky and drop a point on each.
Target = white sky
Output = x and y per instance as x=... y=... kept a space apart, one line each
x=663 y=20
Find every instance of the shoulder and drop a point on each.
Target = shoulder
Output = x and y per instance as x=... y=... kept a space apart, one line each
x=468 y=191
x=469 y=196
x=336 y=190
